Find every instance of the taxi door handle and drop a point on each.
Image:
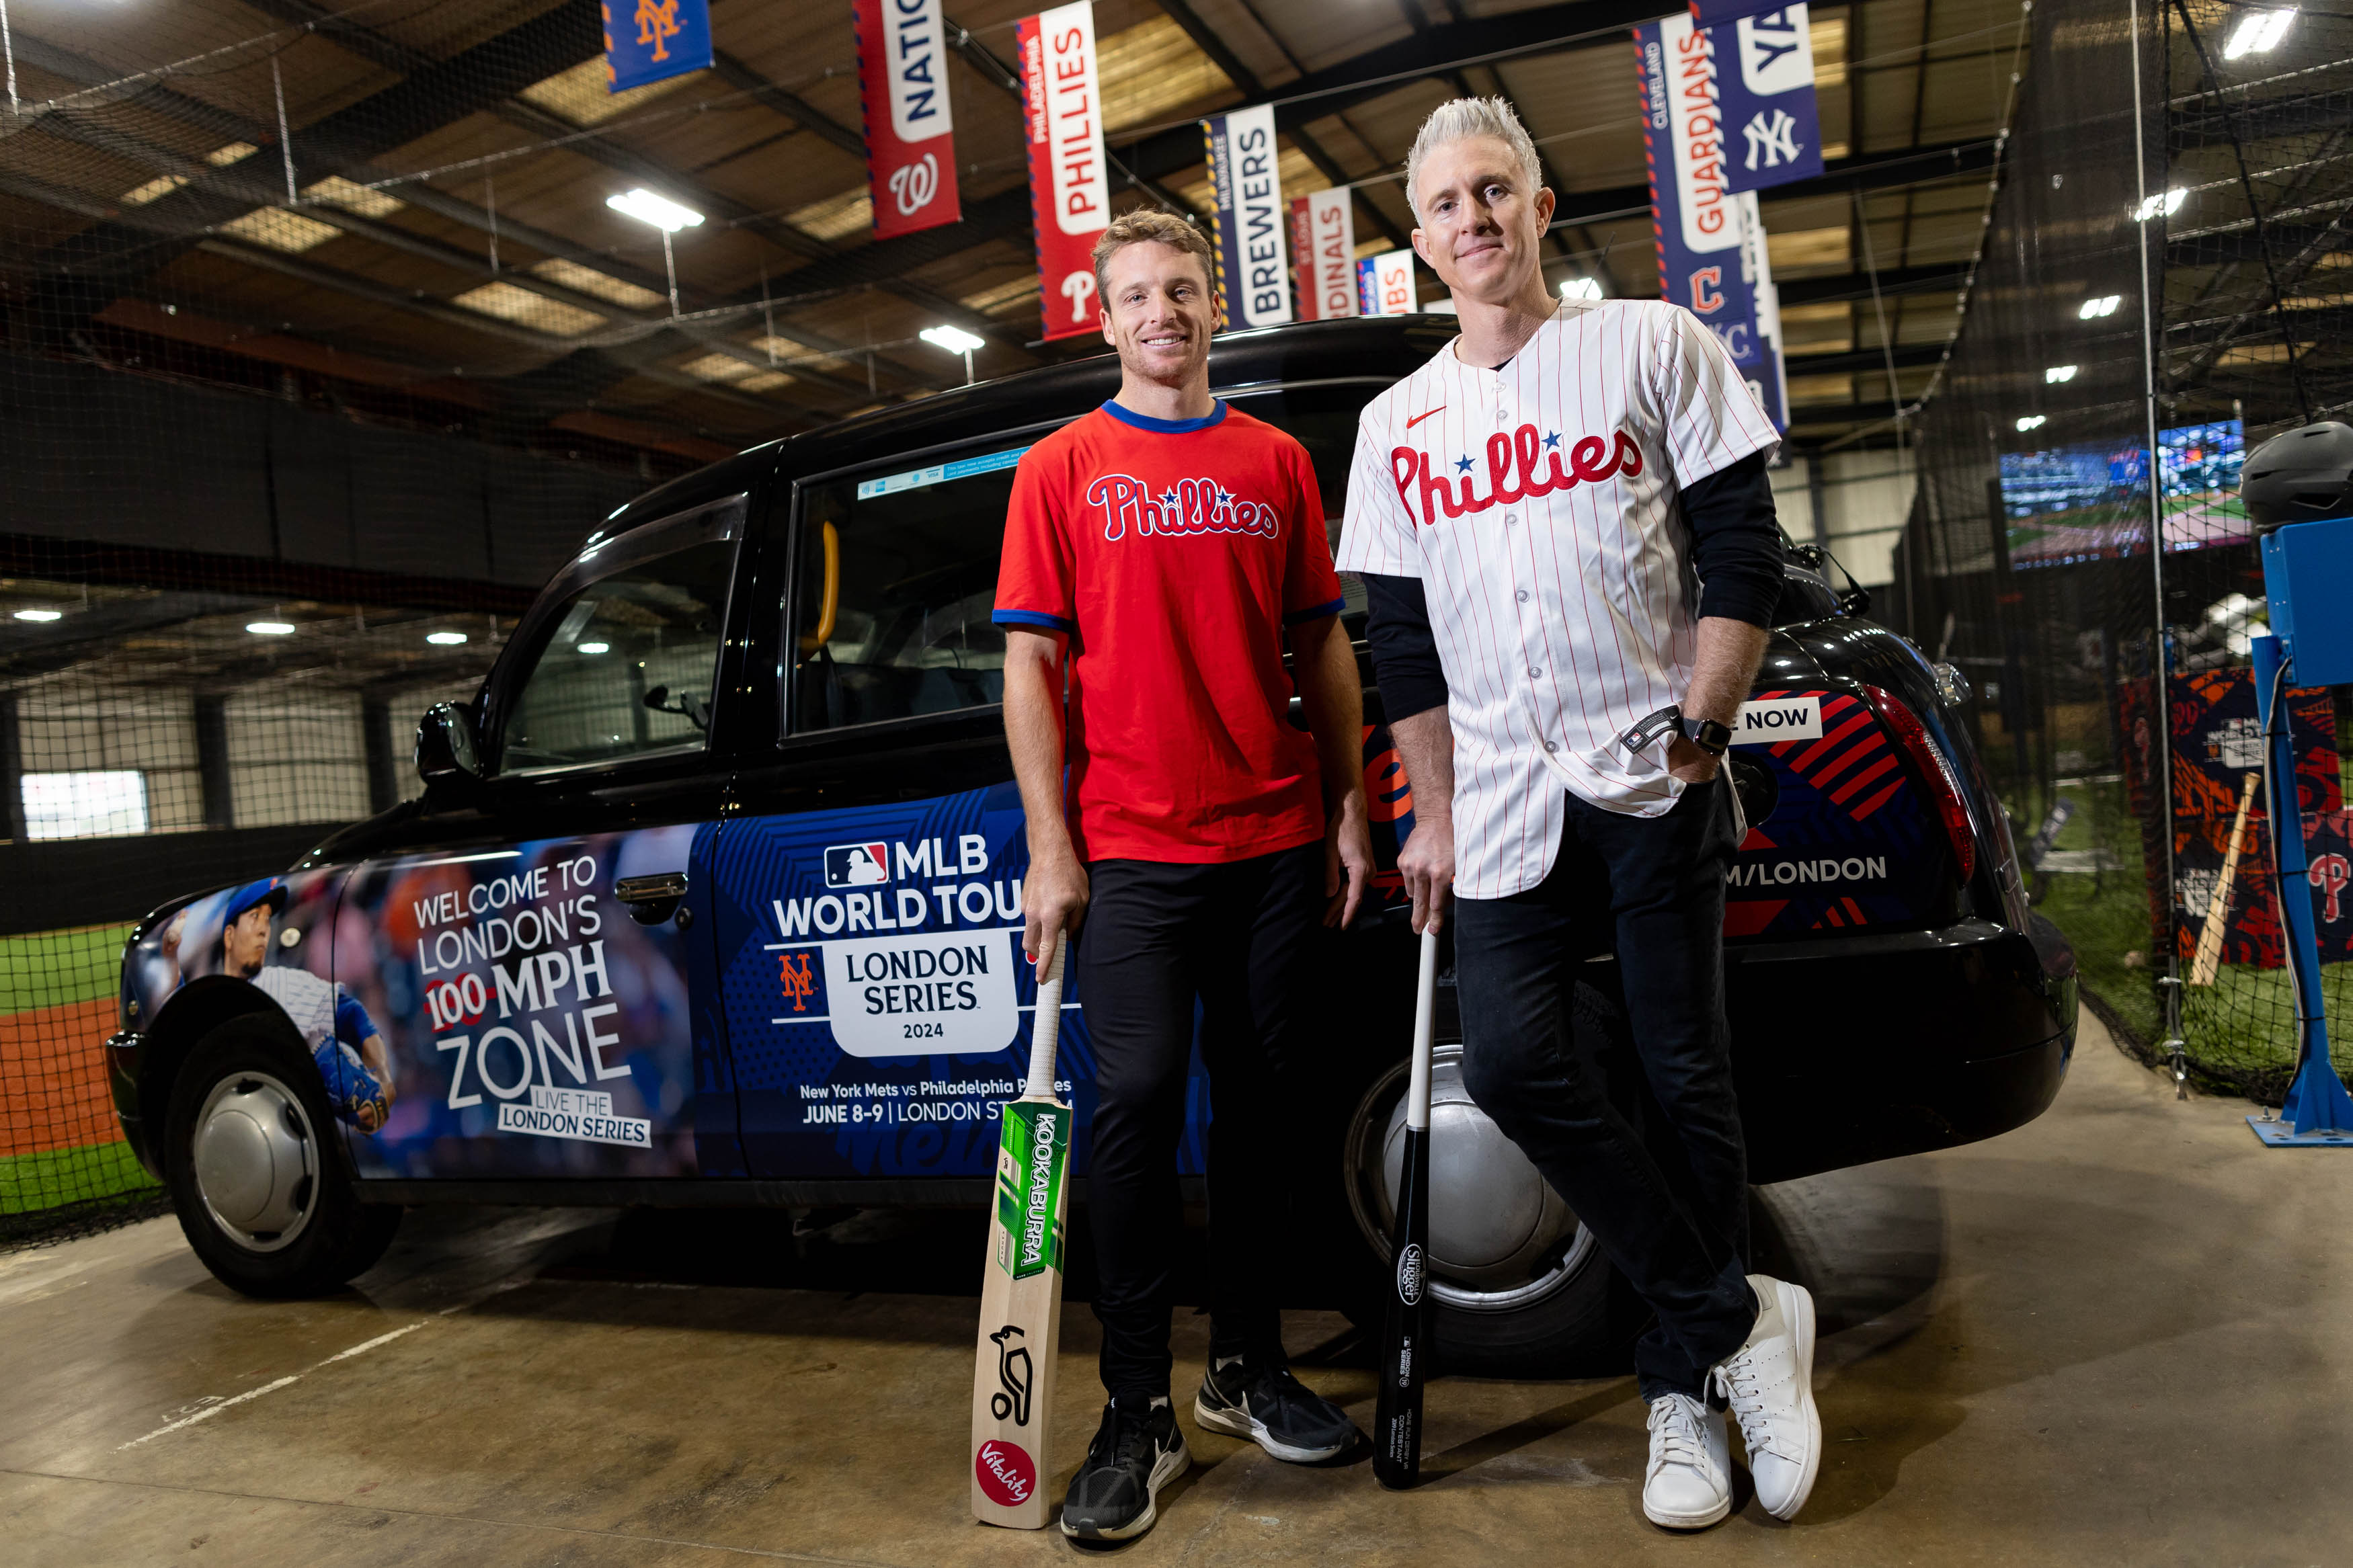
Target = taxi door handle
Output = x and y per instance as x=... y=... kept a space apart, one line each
x=653 y=900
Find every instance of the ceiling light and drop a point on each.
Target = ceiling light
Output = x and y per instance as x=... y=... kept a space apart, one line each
x=593 y=648
x=2059 y=372
x=2106 y=305
x=445 y=639
x=2260 y=32
x=2032 y=422
x=955 y=340
x=659 y=211
x=270 y=628
x=1580 y=288
x=2167 y=205
x=40 y=615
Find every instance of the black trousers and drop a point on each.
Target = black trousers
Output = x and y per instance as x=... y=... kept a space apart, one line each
x=1671 y=1213
x=1157 y=936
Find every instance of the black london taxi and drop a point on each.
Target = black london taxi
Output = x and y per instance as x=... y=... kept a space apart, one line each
x=713 y=898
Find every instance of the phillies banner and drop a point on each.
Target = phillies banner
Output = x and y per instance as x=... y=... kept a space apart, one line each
x=902 y=91
x=1323 y=248
x=1069 y=197
x=657 y=40
x=1253 y=277
x=1712 y=255
x=1767 y=90
x=1385 y=284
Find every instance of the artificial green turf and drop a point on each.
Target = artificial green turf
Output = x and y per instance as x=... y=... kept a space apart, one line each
x=57 y=968
x=29 y=1183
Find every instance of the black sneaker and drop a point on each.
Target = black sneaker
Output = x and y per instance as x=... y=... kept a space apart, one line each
x=1272 y=1409
x=1135 y=1454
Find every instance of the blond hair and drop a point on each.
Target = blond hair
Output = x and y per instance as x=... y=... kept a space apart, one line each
x=1149 y=225
x=1459 y=120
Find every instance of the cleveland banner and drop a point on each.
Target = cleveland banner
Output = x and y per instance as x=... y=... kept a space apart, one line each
x=1069 y=196
x=1253 y=275
x=1323 y=248
x=1712 y=255
x=902 y=89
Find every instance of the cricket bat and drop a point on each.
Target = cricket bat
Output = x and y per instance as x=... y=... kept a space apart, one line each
x=1021 y=1285
x=1404 y=1338
x=2209 y=958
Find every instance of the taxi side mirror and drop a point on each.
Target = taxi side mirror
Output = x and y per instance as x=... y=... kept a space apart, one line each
x=445 y=744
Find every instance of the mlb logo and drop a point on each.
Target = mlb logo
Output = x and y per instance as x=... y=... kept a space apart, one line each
x=857 y=865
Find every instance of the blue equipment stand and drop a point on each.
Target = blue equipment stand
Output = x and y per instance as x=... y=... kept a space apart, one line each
x=2317 y=1112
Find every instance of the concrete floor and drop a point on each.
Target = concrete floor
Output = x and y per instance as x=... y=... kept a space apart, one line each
x=2116 y=1336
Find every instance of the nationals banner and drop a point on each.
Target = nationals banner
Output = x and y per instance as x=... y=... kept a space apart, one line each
x=1764 y=81
x=1323 y=248
x=1069 y=196
x=657 y=39
x=1712 y=255
x=902 y=89
x=1253 y=275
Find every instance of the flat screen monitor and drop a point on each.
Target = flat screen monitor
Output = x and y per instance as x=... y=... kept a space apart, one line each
x=2089 y=500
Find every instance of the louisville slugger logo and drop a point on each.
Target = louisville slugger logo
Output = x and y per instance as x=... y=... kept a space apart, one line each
x=1188 y=506
x=1408 y=1276
x=1011 y=1402
x=1521 y=466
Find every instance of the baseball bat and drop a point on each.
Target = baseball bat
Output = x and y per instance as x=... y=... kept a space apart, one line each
x=1405 y=1339
x=2209 y=958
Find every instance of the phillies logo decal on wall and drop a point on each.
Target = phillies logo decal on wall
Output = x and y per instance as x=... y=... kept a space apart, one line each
x=1592 y=460
x=1188 y=506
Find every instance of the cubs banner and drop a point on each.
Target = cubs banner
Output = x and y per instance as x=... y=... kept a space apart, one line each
x=1385 y=284
x=1766 y=92
x=1253 y=275
x=1323 y=247
x=653 y=40
x=1070 y=195
x=1712 y=254
x=902 y=91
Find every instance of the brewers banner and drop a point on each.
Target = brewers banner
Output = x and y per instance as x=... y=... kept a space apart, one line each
x=1069 y=197
x=1765 y=80
x=653 y=40
x=1324 y=243
x=1253 y=277
x=903 y=88
x=1712 y=257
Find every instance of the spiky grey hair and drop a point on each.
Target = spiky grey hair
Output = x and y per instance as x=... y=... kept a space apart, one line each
x=1458 y=120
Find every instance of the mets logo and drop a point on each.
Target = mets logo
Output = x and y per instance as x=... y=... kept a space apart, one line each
x=799 y=984
x=1005 y=1472
x=1408 y=1276
x=1010 y=1403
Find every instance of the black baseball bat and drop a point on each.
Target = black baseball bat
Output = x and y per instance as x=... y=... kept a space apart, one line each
x=1405 y=1339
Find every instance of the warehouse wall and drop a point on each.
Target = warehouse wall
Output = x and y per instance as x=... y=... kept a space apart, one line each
x=1865 y=498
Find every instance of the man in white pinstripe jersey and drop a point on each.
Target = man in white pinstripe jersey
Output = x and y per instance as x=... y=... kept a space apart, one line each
x=1568 y=539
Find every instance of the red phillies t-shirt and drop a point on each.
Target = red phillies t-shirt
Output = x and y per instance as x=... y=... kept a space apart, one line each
x=1173 y=552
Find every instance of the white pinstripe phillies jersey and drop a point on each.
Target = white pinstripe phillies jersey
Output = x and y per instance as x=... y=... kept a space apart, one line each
x=1538 y=504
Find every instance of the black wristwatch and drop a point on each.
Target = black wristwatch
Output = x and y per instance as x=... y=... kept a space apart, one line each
x=1709 y=735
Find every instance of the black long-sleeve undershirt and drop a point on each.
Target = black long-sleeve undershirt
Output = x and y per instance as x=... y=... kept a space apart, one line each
x=1736 y=554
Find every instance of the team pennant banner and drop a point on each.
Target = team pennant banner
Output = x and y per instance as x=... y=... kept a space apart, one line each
x=1717 y=12
x=1069 y=196
x=1385 y=284
x=1253 y=275
x=653 y=40
x=1323 y=248
x=902 y=91
x=1712 y=255
x=1765 y=83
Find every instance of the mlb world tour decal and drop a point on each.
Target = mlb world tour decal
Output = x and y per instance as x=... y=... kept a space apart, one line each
x=1029 y=1175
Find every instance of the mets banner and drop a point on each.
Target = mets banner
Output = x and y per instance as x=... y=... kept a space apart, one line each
x=652 y=40
x=1253 y=275
x=1767 y=93
x=1069 y=196
x=902 y=91
x=1712 y=256
x=1323 y=247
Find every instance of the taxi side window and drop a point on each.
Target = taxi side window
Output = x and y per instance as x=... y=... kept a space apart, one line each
x=916 y=554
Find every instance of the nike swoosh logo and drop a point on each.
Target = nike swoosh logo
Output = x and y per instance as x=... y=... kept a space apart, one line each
x=1419 y=417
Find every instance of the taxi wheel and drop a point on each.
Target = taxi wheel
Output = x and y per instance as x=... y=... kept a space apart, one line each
x=255 y=1181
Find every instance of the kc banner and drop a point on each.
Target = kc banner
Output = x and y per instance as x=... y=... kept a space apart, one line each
x=1253 y=277
x=902 y=91
x=1712 y=255
x=1323 y=248
x=1769 y=98
x=1385 y=284
x=657 y=39
x=1070 y=198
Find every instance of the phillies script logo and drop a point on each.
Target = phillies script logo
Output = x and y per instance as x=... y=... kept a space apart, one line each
x=913 y=186
x=799 y=984
x=1591 y=461
x=1189 y=506
x=1005 y=1472
x=1011 y=1402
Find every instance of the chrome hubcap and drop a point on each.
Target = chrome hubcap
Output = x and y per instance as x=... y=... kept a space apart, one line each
x=1500 y=1237
x=255 y=1161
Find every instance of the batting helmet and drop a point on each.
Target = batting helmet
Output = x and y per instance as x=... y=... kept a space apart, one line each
x=2302 y=476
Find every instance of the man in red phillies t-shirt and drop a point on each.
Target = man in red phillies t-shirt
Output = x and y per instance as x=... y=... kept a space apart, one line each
x=1164 y=544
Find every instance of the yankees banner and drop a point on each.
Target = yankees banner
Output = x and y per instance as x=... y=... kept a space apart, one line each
x=902 y=91
x=1323 y=247
x=1253 y=277
x=1766 y=92
x=1711 y=253
x=1069 y=196
x=1717 y=12
x=655 y=39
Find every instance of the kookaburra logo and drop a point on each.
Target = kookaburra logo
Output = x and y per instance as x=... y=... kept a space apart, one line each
x=1408 y=1276
x=1012 y=1401
x=913 y=186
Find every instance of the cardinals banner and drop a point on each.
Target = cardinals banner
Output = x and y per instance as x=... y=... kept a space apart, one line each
x=1069 y=196
x=1711 y=253
x=903 y=88
x=1253 y=275
x=1764 y=82
x=1323 y=248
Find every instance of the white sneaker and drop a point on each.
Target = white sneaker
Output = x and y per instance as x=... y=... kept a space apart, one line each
x=1769 y=1382
x=1689 y=1483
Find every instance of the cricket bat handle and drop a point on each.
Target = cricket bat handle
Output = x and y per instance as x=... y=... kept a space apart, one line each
x=1046 y=1023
